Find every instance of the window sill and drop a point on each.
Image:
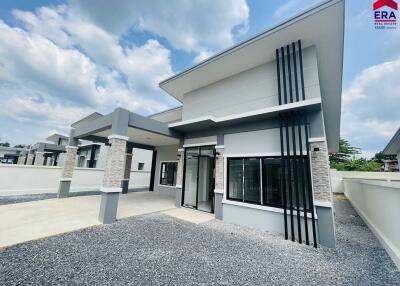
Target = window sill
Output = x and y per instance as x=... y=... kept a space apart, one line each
x=263 y=208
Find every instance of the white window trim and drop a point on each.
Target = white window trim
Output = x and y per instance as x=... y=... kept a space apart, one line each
x=200 y=144
x=159 y=173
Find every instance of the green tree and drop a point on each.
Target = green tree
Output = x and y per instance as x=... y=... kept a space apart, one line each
x=344 y=160
x=5 y=144
x=346 y=152
x=20 y=146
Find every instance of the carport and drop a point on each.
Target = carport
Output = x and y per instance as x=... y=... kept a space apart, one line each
x=122 y=130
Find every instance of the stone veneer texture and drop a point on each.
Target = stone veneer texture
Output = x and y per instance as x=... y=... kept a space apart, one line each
x=69 y=162
x=115 y=165
x=320 y=172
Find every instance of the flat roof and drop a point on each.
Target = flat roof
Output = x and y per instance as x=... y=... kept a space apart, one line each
x=322 y=26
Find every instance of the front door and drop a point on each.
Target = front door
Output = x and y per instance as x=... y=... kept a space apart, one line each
x=198 y=189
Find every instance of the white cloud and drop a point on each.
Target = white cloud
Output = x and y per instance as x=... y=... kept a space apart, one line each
x=292 y=7
x=191 y=26
x=370 y=113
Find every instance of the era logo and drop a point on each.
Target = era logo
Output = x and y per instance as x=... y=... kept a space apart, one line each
x=385 y=14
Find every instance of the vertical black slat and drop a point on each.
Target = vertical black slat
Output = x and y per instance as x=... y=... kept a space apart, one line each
x=296 y=84
x=309 y=184
x=303 y=187
x=183 y=177
x=284 y=74
x=153 y=170
x=289 y=73
x=289 y=173
x=301 y=70
x=283 y=178
x=278 y=73
x=295 y=175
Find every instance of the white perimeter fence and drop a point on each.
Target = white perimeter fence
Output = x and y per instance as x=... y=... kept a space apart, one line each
x=22 y=179
x=376 y=198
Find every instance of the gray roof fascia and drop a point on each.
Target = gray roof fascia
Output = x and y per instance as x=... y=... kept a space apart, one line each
x=393 y=147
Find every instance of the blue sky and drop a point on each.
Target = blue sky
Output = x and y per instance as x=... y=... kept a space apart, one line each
x=61 y=60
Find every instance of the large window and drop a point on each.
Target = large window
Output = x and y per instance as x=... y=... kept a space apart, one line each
x=168 y=173
x=259 y=181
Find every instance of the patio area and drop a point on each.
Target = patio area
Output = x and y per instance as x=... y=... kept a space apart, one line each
x=22 y=222
x=155 y=249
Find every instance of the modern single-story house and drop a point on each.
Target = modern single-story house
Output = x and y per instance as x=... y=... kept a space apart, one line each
x=10 y=155
x=393 y=148
x=250 y=142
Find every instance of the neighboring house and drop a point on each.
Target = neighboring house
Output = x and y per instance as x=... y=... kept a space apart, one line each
x=393 y=148
x=390 y=165
x=250 y=142
x=89 y=154
x=10 y=155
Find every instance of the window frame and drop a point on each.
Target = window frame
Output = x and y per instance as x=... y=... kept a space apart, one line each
x=160 y=174
x=260 y=159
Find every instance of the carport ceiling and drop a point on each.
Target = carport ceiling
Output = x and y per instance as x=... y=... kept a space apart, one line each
x=144 y=137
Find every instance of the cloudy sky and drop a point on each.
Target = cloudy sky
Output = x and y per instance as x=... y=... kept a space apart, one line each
x=61 y=60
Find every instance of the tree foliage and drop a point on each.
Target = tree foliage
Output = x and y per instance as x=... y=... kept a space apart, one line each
x=346 y=152
x=345 y=160
x=5 y=144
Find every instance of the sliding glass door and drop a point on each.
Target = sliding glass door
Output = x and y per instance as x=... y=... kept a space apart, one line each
x=199 y=178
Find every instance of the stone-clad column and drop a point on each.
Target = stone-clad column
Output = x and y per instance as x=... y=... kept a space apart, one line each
x=39 y=159
x=127 y=170
x=179 y=178
x=67 y=171
x=322 y=192
x=113 y=175
x=219 y=181
x=29 y=160
x=69 y=164
x=21 y=159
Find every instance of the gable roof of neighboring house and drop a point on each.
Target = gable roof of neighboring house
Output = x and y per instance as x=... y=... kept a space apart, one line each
x=393 y=147
x=321 y=26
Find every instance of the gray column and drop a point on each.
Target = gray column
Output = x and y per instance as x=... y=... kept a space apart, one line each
x=322 y=192
x=39 y=159
x=179 y=178
x=29 y=160
x=326 y=226
x=113 y=175
x=219 y=182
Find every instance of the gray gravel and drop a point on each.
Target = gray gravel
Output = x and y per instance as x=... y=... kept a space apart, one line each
x=156 y=249
x=6 y=200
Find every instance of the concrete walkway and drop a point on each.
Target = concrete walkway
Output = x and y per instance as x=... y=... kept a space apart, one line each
x=33 y=220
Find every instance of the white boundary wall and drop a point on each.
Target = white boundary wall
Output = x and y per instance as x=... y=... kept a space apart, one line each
x=22 y=179
x=376 y=198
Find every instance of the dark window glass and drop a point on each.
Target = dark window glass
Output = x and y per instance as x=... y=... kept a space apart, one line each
x=168 y=173
x=252 y=180
x=272 y=194
x=140 y=166
x=235 y=179
x=245 y=180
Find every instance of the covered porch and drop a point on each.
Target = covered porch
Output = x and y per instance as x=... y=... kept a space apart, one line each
x=122 y=131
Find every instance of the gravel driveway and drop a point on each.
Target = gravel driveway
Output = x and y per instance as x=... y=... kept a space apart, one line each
x=157 y=249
